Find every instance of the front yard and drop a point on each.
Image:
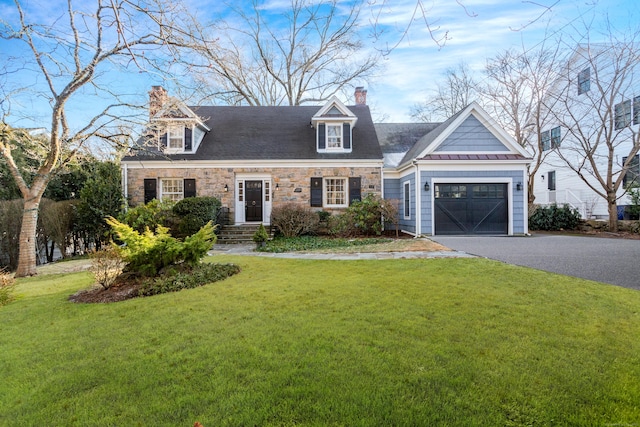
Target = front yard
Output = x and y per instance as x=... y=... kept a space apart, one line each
x=300 y=342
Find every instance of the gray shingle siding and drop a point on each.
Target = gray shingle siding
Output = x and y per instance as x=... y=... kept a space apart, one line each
x=393 y=190
x=471 y=136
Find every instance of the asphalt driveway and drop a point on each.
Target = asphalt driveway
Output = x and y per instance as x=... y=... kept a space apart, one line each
x=614 y=261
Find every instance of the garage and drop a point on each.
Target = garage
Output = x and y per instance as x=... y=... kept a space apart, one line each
x=471 y=208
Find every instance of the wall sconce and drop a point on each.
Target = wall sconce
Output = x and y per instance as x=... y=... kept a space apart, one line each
x=426 y=186
x=277 y=187
x=226 y=188
x=542 y=176
x=519 y=186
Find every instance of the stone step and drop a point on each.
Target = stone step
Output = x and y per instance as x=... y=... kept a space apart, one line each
x=239 y=234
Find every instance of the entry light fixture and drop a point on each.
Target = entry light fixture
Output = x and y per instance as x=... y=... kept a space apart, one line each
x=519 y=186
x=426 y=186
x=277 y=187
x=226 y=188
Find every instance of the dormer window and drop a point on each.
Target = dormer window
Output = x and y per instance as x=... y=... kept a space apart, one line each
x=334 y=124
x=176 y=138
x=334 y=137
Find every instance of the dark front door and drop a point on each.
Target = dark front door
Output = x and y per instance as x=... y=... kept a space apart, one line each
x=471 y=209
x=253 y=201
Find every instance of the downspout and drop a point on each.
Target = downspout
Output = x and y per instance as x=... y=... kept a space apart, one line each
x=125 y=182
x=418 y=201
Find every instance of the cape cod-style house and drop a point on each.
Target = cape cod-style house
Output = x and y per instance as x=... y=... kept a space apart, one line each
x=463 y=176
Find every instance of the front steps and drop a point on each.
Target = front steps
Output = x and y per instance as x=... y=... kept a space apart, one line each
x=239 y=234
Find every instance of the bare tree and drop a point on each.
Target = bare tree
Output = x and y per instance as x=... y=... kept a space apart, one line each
x=457 y=90
x=514 y=90
x=307 y=53
x=64 y=59
x=595 y=103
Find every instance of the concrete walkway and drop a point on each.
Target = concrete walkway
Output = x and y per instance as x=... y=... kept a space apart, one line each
x=248 y=250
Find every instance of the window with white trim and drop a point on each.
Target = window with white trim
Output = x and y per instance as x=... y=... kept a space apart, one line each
x=407 y=199
x=622 y=112
x=175 y=138
x=334 y=137
x=335 y=192
x=172 y=189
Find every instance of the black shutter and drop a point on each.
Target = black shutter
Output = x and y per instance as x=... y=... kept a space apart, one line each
x=355 y=193
x=163 y=140
x=346 y=135
x=150 y=189
x=187 y=139
x=322 y=139
x=189 y=188
x=316 y=192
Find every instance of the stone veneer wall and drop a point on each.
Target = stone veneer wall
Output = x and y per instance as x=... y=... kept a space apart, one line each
x=211 y=181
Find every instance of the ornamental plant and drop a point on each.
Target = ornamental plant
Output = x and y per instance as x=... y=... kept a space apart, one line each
x=148 y=253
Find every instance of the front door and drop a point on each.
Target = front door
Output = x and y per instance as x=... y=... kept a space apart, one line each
x=253 y=201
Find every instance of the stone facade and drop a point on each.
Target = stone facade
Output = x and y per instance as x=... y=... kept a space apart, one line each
x=288 y=184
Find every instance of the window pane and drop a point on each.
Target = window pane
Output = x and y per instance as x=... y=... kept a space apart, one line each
x=334 y=136
x=335 y=191
x=172 y=189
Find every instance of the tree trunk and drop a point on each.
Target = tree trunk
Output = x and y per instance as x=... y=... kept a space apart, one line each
x=613 y=212
x=27 y=256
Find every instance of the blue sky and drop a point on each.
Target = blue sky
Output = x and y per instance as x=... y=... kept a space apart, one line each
x=476 y=30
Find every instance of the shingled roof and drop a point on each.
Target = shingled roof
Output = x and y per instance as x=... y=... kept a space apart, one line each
x=269 y=133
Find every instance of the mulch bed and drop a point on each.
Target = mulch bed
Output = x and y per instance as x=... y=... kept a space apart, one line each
x=125 y=287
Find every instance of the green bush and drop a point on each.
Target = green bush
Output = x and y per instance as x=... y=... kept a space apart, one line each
x=149 y=216
x=364 y=217
x=192 y=278
x=148 y=253
x=193 y=213
x=293 y=220
x=7 y=284
x=554 y=218
x=260 y=236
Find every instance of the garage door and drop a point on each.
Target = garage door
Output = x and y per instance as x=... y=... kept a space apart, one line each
x=471 y=209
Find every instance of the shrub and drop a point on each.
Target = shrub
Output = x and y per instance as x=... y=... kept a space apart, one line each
x=193 y=213
x=149 y=216
x=364 y=217
x=198 y=276
x=293 y=220
x=148 y=253
x=7 y=285
x=106 y=265
x=554 y=218
x=260 y=236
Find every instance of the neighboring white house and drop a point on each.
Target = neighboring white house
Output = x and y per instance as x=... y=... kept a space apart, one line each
x=594 y=107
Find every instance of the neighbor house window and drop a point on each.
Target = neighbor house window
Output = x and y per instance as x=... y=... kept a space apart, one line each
x=334 y=136
x=584 y=81
x=632 y=177
x=556 y=137
x=171 y=189
x=636 y=110
x=551 y=138
x=175 y=138
x=407 y=199
x=545 y=138
x=622 y=114
x=551 y=181
x=335 y=192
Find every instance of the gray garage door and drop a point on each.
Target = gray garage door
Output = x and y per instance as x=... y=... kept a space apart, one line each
x=471 y=209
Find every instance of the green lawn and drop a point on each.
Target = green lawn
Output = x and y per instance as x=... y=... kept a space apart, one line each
x=456 y=342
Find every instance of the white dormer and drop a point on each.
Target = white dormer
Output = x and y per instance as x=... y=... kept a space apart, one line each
x=176 y=128
x=334 y=123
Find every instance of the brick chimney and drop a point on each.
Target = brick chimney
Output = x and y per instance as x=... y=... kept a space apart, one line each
x=157 y=97
x=361 y=96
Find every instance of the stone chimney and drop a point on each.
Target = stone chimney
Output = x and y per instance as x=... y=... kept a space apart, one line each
x=361 y=96
x=157 y=97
